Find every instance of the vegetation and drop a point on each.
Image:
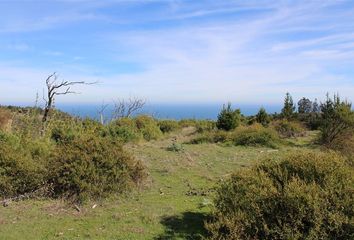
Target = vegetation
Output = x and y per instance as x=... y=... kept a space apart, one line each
x=337 y=119
x=255 y=135
x=167 y=126
x=135 y=178
x=301 y=196
x=288 y=108
x=288 y=129
x=262 y=117
x=228 y=119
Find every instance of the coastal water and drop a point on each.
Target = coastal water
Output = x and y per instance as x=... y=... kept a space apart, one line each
x=166 y=111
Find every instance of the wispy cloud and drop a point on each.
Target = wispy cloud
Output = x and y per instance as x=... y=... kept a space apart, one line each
x=214 y=51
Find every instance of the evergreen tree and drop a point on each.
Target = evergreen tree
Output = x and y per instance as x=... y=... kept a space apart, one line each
x=228 y=118
x=337 y=118
x=304 y=105
x=289 y=108
x=262 y=117
x=315 y=106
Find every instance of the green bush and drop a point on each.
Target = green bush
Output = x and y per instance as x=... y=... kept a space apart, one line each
x=167 y=126
x=21 y=165
x=305 y=195
x=288 y=129
x=124 y=130
x=228 y=119
x=337 y=118
x=148 y=127
x=218 y=136
x=91 y=167
x=262 y=117
x=255 y=135
x=205 y=126
x=175 y=147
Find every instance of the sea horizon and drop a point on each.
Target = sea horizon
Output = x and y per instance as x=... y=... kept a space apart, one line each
x=159 y=110
x=168 y=110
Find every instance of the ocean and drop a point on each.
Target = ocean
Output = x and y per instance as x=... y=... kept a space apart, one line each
x=166 y=111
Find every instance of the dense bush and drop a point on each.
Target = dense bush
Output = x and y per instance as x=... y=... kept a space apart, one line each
x=305 y=195
x=148 y=127
x=228 y=119
x=90 y=166
x=125 y=130
x=21 y=165
x=167 y=126
x=288 y=129
x=255 y=135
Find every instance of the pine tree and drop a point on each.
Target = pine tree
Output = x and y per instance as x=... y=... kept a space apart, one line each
x=304 y=105
x=289 y=108
x=262 y=117
x=228 y=118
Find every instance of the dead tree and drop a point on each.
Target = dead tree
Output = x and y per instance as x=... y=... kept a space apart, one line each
x=101 y=112
x=125 y=108
x=55 y=88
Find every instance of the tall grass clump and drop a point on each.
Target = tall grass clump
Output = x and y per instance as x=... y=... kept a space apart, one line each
x=304 y=195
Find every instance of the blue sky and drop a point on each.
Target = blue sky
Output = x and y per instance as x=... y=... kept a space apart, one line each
x=178 y=51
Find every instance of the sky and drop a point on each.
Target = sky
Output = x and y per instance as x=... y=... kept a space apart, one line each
x=178 y=51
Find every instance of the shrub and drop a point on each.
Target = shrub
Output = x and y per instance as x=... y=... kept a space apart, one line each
x=175 y=147
x=306 y=195
x=167 y=126
x=124 y=130
x=262 y=117
x=91 y=167
x=205 y=125
x=288 y=129
x=21 y=166
x=228 y=119
x=337 y=119
x=218 y=136
x=255 y=135
x=148 y=127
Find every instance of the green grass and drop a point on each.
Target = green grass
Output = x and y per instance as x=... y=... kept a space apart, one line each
x=173 y=205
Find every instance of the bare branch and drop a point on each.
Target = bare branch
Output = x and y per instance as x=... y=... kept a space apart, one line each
x=54 y=89
x=125 y=108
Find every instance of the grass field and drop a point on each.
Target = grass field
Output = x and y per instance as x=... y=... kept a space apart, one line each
x=173 y=204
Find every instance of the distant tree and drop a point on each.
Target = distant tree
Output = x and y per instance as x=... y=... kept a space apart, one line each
x=315 y=106
x=228 y=118
x=337 y=118
x=262 y=117
x=124 y=108
x=289 y=108
x=54 y=89
x=304 y=105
